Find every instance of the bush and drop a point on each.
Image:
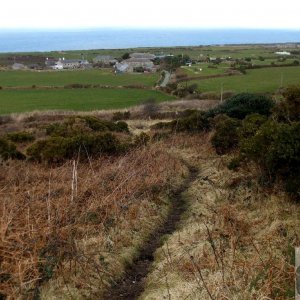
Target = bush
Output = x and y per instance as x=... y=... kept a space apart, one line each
x=226 y=137
x=58 y=149
x=84 y=124
x=150 y=107
x=142 y=139
x=241 y=105
x=119 y=115
x=276 y=149
x=8 y=150
x=195 y=122
x=250 y=125
x=20 y=137
x=288 y=110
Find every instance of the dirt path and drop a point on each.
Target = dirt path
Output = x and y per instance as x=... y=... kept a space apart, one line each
x=132 y=283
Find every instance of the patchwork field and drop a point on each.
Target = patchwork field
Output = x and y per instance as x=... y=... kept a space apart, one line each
x=257 y=81
x=15 y=101
x=61 y=78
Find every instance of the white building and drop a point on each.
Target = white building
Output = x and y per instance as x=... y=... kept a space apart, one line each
x=283 y=53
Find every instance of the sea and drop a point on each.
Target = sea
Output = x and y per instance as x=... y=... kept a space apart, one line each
x=105 y=38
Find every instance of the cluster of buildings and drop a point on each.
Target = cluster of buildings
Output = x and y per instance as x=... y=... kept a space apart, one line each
x=136 y=62
x=62 y=63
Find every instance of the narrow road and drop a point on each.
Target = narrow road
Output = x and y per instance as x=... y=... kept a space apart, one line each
x=166 y=79
x=131 y=286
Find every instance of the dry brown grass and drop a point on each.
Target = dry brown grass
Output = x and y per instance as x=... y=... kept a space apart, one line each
x=79 y=224
x=237 y=238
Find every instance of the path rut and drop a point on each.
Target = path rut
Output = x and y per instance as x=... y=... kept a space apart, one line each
x=131 y=285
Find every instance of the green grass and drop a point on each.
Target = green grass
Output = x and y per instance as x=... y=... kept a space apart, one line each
x=257 y=81
x=194 y=70
x=61 y=78
x=16 y=101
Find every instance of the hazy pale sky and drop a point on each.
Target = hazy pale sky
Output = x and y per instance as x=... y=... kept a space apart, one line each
x=150 y=13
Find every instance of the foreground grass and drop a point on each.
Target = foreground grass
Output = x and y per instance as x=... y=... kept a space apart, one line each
x=16 y=101
x=74 y=247
x=256 y=81
x=61 y=78
x=236 y=240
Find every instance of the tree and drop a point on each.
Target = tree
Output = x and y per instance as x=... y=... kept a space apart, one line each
x=125 y=55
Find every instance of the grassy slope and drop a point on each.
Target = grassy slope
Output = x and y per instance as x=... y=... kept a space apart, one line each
x=260 y=80
x=13 y=101
x=61 y=78
x=235 y=234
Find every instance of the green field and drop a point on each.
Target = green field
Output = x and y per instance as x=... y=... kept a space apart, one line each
x=258 y=81
x=16 y=101
x=61 y=78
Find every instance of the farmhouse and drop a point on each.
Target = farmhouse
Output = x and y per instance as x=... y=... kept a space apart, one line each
x=74 y=63
x=135 y=64
x=105 y=60
x=283 y=53
x=147 y=56
x=62 y=63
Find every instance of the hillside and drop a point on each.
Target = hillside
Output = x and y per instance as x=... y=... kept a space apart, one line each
x=179 y=200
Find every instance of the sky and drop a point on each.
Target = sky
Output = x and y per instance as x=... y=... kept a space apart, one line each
x=39 y=14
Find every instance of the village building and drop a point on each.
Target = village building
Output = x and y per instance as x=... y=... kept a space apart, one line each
x=283 y=53
x=62 y=63
x=135 y=65
x=104 y=60
x=18 y=66
x=147 y=56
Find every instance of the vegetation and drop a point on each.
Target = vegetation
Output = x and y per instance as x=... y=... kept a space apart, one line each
x=20 y=137
x=66 y=78
x=241 y=105
x=8 y=150
x=58 y=149
x=267 y=80
x=90 y=195
x=13 y=101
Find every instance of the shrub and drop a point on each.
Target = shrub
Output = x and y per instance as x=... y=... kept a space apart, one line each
x=226 y=137
x=119 y=115
x=289 y=109
x=276 y=149
x=58 y=149
x=84 y=124
x=241 y=105
x=150 y=107
x=9 y=150
x=193 y=123
x=250 y=125
x=142 y=139
x=20 y=137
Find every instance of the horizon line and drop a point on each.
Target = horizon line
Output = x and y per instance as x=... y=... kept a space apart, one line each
x=82 y=28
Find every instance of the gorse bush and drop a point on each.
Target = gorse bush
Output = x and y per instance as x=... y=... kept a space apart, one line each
x=250 y=125
x=58 y=149
x=241 y=105
x=20 y=137
x=275 y=147
x=84 y=124
x=8 y=150
x=226 y=137
x=195 y=122
x=288 y=110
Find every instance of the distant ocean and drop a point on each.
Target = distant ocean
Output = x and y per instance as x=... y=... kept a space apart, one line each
x=50 y=40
